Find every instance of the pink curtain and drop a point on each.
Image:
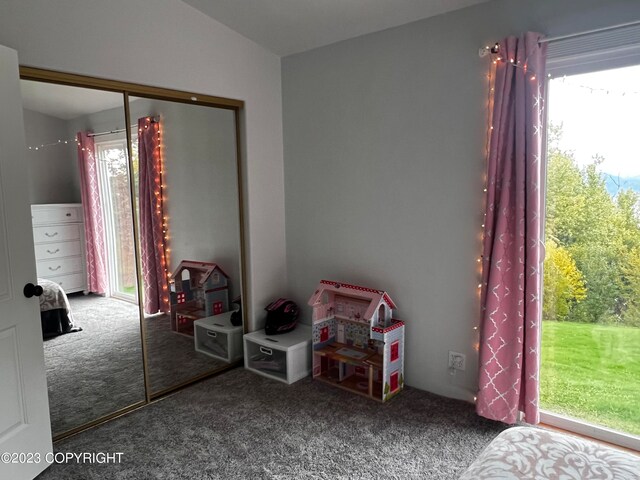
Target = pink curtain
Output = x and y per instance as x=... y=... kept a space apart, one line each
x=152 y=248
x=513 y=244
x=97 y=278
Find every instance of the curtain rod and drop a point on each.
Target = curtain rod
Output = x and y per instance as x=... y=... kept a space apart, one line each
x=99 y=134
x=486 y=50
x=589 y=32
x=119 y=130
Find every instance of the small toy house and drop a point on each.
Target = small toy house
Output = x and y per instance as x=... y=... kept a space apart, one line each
x=357 y=344
x=198 y=290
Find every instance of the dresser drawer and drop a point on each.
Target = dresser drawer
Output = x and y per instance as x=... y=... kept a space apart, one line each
x=58 y=250
x=71 y=283
x=56 y=233
x=47 y=215
x=60 y=266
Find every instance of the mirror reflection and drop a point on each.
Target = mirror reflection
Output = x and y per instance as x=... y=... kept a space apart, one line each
x=84 y=247
x=186 y=180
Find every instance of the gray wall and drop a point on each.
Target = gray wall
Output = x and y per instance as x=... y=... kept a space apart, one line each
x=53 y=170
x=168 y=43
x=384 y=156
x=202 y=186
x=199 y=147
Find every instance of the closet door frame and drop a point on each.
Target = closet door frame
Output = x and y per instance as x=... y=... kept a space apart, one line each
x=127 y=89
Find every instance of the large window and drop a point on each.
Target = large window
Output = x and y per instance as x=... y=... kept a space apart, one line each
x=590 y=366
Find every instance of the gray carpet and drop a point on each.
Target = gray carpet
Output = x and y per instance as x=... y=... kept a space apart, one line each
x=172 y=358
x=96 y=371
x=241 y=425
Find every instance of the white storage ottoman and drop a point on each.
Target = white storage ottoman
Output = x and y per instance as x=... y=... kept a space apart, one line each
x=216 y=337
x=285 y=357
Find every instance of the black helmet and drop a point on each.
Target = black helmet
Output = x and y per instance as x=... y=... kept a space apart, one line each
x=281 y=316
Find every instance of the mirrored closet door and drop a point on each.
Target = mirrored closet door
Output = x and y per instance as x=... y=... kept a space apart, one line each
x=85 y=251
x=137 y=223
x=186 y=167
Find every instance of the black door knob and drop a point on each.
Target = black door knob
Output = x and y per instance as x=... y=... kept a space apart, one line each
x=31 y=290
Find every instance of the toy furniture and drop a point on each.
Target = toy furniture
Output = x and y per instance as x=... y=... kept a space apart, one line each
x=286 y=357
x=217 y=337
x=357 y=345
x=198 y=290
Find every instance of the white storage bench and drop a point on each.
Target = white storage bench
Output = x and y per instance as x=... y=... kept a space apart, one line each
x=285 y=357
x=216 y=337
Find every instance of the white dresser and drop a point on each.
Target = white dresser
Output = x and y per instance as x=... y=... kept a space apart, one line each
x=58 y=236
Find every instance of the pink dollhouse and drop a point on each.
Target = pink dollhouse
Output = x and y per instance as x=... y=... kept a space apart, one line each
x=357 y=344
x=198 y=290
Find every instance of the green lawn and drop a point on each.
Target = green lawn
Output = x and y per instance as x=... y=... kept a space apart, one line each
x=592 y=372
x=129 y=289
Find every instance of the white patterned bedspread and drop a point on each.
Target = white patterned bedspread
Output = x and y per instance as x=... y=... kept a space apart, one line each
x=53 y=297
x=532 y=453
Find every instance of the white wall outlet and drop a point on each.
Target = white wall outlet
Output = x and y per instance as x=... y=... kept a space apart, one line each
x=457 y=360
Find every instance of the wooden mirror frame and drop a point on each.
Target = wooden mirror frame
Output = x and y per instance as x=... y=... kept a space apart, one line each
x=132 y=89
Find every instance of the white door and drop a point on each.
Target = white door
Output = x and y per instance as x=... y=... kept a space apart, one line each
x=24 y=406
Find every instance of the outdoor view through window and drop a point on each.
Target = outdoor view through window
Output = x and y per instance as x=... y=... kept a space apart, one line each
x=590 y=367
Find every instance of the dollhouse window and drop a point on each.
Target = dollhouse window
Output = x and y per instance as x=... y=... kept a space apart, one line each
x=395 y=351
x=324 y=334
x=216 y=278
x=185 y=275
x=217 y=308
x=381 y=316
x=393 y=382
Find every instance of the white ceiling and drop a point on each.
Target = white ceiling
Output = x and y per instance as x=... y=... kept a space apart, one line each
x=64 y=102
x=292 y=26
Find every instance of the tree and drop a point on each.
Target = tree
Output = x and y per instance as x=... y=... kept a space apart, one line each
x=563 y=283
x=592 y=268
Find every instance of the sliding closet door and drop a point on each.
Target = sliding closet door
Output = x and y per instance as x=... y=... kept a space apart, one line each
x=83 y=232
x=185 y=159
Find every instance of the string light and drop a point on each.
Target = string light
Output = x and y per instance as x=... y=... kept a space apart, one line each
x=480 y=261
x=605 y=91
x=493 y=65
x=160 y=196
x=52 y=144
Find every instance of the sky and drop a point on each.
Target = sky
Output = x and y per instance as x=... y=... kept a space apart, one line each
x=600 y=114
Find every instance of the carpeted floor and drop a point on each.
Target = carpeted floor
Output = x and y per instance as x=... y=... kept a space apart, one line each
x=98 y=370
x=172 y=358
x=241 y=425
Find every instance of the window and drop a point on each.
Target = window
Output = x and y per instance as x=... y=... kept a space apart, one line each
x=590 y=365
x=115 y=194
x=395 y=351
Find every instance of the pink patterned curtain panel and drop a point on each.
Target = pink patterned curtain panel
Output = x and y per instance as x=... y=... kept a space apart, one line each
x=513 y=243
x=152 y=248
x=97 y=276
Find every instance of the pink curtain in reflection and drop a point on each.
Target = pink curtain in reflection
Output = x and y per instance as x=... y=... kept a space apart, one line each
x=96 y=256
x=513 y=244
x=152 y=248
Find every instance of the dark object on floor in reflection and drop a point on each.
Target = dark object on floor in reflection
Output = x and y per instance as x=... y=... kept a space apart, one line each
x=55 y=312
x=236 y=316
x=282 y=316
x=57 y=322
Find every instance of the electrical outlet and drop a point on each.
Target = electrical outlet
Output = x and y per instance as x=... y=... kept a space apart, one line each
x=457 y=360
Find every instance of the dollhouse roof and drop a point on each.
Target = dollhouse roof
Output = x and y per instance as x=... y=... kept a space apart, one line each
x=204 y=268
x=375 y=296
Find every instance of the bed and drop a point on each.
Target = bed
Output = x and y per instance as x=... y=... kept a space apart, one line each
x=533 y=453
x=55 y=311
